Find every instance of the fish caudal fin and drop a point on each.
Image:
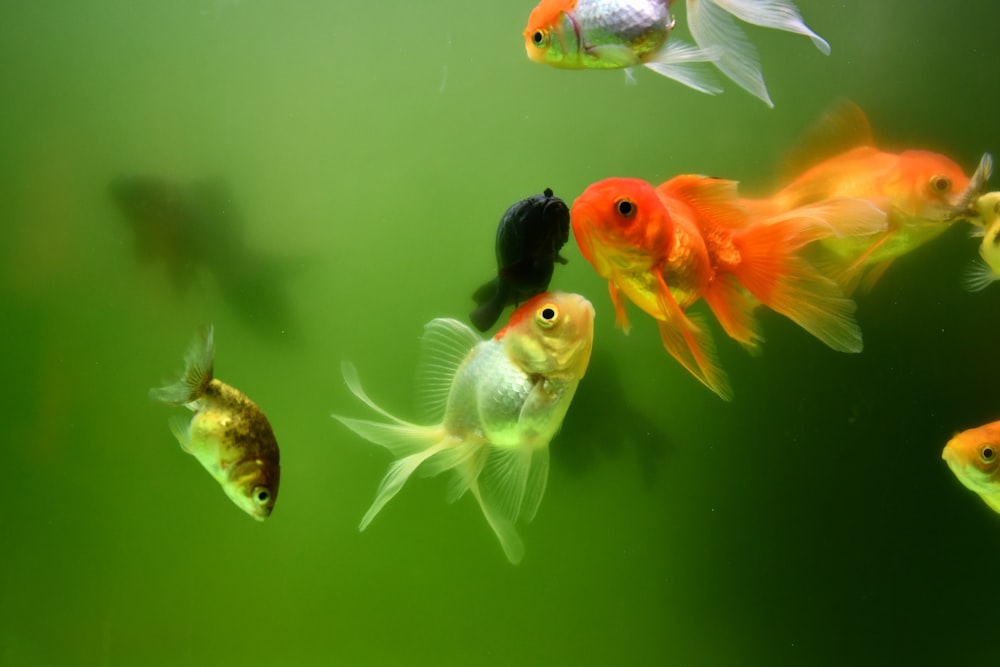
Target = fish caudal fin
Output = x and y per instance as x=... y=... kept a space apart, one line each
x=683 y=63
x=198 y=367
x=712 y=26
x=788 y=284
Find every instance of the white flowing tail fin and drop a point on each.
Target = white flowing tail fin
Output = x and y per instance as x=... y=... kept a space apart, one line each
x=712 y=26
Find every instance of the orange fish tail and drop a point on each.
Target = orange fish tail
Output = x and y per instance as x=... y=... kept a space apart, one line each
x=786 y=283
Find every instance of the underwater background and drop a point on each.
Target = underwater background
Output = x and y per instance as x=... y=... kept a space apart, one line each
x=370 y=149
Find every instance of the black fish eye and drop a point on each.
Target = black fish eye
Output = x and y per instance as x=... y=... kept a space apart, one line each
x=625 y=207
x=547 y=315
x=987 y=454
x=941 y=184
x=261 y=495
x=539 y=38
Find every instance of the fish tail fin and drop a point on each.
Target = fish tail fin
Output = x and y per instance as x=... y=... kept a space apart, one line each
x=684 y=63
x=198 y=367
x=786 y=283
x=712 y=26
x=491 y=297
x=409 y=443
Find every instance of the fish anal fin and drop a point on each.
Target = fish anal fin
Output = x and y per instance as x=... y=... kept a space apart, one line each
x=734 y=308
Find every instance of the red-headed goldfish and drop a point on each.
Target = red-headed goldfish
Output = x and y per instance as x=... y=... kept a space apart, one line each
x=665 y=248
x=974 y=458
x=606 y=34
x=921 y=192
x=229 y=435
x=493 y=406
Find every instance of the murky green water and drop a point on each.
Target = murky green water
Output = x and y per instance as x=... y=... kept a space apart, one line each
x=373 y=147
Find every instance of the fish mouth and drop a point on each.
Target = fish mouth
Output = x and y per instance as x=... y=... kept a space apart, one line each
x=967 y=204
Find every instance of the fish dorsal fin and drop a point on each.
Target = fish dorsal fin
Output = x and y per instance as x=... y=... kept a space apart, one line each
x=444 y=345
x=716 y=199
x=843 y=127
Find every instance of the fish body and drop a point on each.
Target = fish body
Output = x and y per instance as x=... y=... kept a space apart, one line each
x=974 y=458
x=228 y=434
x=492 y=408
x=529 y=237
x=921 y=193
x=605 y=34
x=986 y=270
x=665 y=248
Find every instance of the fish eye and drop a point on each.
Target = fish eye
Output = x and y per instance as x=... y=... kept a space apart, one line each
x=540 y=38
x=940 y=184
x=625 y=207
x=987 y=453
x=261 y=495
x=547 y=315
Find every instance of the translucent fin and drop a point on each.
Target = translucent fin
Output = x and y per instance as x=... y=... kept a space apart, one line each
x=789 y=285
x=841 y=217
x=395 y=478
x=504 y=478
x=683 y=63
x=350 y=373
x=690 y=342
x=181 y=427
x=978 y=276
x=976 y=232
x=444 y=346
x=400 y=438
x=843 y=127
x=505 y=531
x=538 y=479
x=777 y=14
x=198 y=365
x=713 y=28
x=734 y=308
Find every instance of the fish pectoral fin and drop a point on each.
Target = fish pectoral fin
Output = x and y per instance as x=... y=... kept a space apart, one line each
x=181 y=428
x=978 y=276
x=621 y=317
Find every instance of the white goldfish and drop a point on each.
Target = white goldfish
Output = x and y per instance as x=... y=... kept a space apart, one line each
x=492 y=406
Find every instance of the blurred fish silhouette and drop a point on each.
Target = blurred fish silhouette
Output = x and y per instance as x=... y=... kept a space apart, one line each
x=529 y=237
x=198 y=228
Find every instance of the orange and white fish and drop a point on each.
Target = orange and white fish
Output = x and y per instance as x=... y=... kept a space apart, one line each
x=974 y=458
x=921 y=192
x=608 y=34
x=491 y=407
x=665 y=248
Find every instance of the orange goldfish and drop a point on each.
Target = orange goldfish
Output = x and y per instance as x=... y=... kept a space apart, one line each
x=606 y=34
x=974 y=458
x=921 y=192
x=492 y=407
x=689 y=239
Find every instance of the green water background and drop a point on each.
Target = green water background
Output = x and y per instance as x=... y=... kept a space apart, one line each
x=809 y=522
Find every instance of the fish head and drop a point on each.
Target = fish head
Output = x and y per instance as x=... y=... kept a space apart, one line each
x=552 y=36
x=551 y=334
x=974 y=458
x=927 y=186
x=622 y=226
x=253 y=486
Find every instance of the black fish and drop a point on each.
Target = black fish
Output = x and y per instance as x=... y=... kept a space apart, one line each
x=529 y=237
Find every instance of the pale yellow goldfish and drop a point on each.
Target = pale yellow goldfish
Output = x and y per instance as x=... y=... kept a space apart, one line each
x=974 y=457
x=492 y=407
x=229 y=435
x=985 y=270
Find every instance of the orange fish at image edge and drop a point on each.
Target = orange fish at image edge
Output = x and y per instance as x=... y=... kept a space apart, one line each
x=665 y=248
x=974 y=458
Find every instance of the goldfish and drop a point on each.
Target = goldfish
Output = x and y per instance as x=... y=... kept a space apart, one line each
x=921 y=192
x=610 y=34
x=195 y=229
x=228 y=434
x=491 y=409
x=529 y=237
x=974 y=458
x=665 y=248
x=986 y=270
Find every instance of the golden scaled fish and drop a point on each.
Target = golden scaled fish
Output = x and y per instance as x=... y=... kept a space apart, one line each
x=974 y=458
x=228 y=434
x=985 y=270
x=491 y=406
